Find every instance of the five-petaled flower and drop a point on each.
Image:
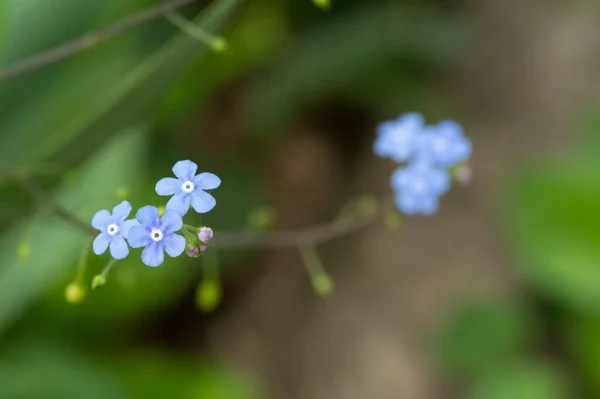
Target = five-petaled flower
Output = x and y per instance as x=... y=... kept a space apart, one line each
x=398 y=139
x=188 y=188
x=418 y=188
x=113 y=230
x=157 y=234
x=444 y=145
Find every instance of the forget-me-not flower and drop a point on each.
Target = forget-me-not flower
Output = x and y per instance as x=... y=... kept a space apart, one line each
x=398 y=139
x=188 y=188
x=113 y=230
x=418 y=188
x=444 y=145
x=157 y=234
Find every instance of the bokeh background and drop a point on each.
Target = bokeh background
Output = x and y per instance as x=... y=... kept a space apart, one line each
x=495 y=297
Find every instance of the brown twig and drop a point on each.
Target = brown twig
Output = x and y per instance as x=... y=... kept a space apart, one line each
x=250 y=239
x=44 y=199
x=88 y=40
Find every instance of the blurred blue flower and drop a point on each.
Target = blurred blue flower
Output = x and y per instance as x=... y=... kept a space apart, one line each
x=188 y=188
x=418 y=188
x=398 y=139
x=157 y=234
x=113 y=230
x=444 y=145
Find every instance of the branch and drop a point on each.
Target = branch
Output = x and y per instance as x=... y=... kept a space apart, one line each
x=44 y=199
x=260 y=240
x=88 y=40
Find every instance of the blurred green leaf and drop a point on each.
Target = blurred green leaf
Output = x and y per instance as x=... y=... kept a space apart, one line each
x=55 y=245
x=583 y=336
x=481 y=336
x=554 y=225
x=522 y=380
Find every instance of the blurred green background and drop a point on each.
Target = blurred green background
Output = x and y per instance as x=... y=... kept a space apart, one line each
x=508 y=309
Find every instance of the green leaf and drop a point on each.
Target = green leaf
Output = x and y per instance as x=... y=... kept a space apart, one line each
x=526 y=379
x=55 y=245
x=483 y=335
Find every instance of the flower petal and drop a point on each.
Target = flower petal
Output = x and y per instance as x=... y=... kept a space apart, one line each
x=179 y=203
x=101 y=243
x=121 y=211
x=207 y=181
x=174 y=245
x=203 y=201
x=118 y=248
x=147 y=216
x=138 y=237
x=127 y=225
x=101 y=219
x=153 y=255
x=185 y=170
x=170 y=222
x=167 y=186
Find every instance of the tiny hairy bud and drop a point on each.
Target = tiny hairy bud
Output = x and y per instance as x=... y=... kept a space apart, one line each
x=205 y=235
x=219 y=44
x=161 y=210
x=98 y=281
x=322 y=284
x=208 y=296
x=74 y=293
x=192 y=251
x=203 y=247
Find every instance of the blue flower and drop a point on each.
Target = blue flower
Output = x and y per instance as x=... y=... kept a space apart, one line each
x=188 y=188
x=113 y=230
x=157 y=235
x=444 y=145
x=418 y=188
x=398 y=139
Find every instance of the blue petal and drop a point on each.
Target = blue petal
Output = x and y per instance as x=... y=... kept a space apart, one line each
x=138 y=237
x=147 y=216
x=406 y=203
x=167 y=186
x=170 y=222
x=207 y=181
x=101 y=243
x=153 y=255
x=428 y=205
x=203 y=201
x=413 y=119
x=127 y=225
x=179 y=203
x=440 y=182
x=174 y=244
x=118 y=248
x=121 y=211
x=185 y=170
x=101 y=219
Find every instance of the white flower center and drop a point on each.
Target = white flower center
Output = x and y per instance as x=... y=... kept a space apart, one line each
x=187 y=187
x=440 y=144
x=156 y=235
x=112 y=229
x=419 y=186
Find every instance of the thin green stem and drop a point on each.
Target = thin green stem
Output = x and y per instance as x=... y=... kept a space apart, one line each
x=215 y=42
x=105 y=272
x=312 y=261
x=82 y=263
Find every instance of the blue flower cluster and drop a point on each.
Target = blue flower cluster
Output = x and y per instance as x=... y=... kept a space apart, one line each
x=428 y=151
x=156 y=233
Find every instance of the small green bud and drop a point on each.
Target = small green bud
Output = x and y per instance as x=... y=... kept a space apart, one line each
x=208 y=296
x=263 y=218
x=219 y=44
x=74 y=293
x=392 y=220
x=322 y=4
x=322 y=284
x=367 y=204
x=23 y=252
x=122 y=192
x=98 y=281
x=161 y=210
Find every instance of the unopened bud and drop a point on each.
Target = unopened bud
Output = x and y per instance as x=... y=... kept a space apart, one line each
x=392 y=220
x=203 y=247
x=219 y=44
x=192 y=251
x=98 y=281
x=367 y=204
x=463 y=174
x=161 y=210
x=205 y=235
x=122 y=193
x=74 y=293
x=322 y=284
x=322 y=4
x=23 y=252
x=208 y=295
